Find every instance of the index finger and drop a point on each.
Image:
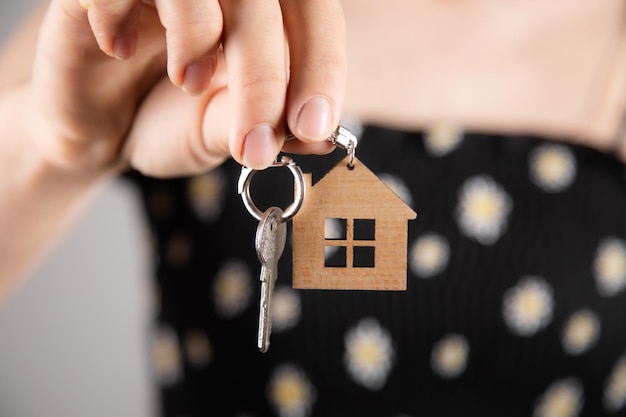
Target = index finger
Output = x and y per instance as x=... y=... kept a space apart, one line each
x=254 y=49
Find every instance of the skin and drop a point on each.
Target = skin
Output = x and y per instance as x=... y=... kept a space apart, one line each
x=126 y=83
x=174 y=87
x=555 y=68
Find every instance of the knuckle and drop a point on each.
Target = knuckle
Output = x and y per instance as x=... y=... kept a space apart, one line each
x=190 y=39
x=193 y=41
x=196 y=29
x=110 y=10
x=322 y=56
x=261 y=78
x=198 y=20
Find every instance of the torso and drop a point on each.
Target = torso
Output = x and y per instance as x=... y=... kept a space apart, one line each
x=550 y=68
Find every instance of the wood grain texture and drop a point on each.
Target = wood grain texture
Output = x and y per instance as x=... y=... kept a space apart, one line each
x=350 y=194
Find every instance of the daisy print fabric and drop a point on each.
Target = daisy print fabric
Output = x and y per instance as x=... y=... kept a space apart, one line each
x=483 y=209
x=515 y=302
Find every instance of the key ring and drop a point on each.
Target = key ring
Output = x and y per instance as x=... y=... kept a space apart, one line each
x=300 y=189
x=342 y=138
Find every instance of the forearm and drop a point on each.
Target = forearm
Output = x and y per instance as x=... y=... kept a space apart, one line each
x=37 y=199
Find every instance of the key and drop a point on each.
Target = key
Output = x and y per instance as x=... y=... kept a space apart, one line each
x=271 y=235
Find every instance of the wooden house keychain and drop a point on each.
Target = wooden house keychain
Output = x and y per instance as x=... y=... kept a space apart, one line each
x=349 y=231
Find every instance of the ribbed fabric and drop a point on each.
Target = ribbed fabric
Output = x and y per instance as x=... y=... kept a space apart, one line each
x=504 y=365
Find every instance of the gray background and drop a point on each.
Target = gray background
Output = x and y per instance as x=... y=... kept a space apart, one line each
x=74 y=338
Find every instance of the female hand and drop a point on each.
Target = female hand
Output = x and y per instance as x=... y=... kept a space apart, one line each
x=101 y=97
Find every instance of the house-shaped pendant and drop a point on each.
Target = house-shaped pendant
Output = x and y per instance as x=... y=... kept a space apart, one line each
x=351 y=233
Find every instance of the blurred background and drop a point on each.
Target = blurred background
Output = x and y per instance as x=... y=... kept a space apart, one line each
x=74 y=338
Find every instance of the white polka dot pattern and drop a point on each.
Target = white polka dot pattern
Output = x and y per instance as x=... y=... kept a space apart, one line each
x=581 y=332
x=429 y=255
x=552 y=167
x=528 y=306
x=442 y=138
x=232 y=289
x=546 y=312
x=449 y=356
x=483 y=209
x=198 y=349
x=609 y=267
x=286 y=308
x=290 y=392
x=397 y=186
x=166 y=356
x=615 y=389
x=564 y=398
x=179 y=249
x=333 y=229
x=369 y=354
x=206 y=195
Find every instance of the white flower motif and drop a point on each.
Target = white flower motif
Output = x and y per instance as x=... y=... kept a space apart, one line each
x=429 y=255
x=564 y=398
x=232 y=289
x=179 y=249
x=291 y=392
x=334 y=228
x=615 y=389
x=449 y=356
x=581 y=332
x=286 y=309
x=206 y=194
x=552 y=167
x=483 y=209
x=609 y=267
x=160 y=203
x=528 y=306
x=442 y=139
x=369 y=354
x=166 y=357
x=197 y=348
x=398 y=186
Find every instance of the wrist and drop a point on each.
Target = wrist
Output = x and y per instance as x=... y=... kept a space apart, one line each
x=38 y=198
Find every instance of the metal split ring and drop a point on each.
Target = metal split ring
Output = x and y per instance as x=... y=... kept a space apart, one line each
x=298 y=179
x=342 y=138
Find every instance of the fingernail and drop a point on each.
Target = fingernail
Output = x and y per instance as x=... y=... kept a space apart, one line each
x=124 y=45
x=259 y=147
x=314 y=118
x=198 y=76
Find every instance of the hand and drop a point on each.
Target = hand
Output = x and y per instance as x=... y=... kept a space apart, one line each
x=244 y=67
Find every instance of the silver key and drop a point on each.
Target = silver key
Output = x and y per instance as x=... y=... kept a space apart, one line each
x=271 y=235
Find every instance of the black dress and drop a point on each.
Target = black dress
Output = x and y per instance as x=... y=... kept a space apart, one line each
x=516 y=300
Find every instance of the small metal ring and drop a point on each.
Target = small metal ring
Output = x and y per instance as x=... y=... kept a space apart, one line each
x=300 y=189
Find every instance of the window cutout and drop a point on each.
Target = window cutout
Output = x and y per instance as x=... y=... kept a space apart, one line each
x=364 y=229
x=363 y=257
x=335 y=229
x=335 y=256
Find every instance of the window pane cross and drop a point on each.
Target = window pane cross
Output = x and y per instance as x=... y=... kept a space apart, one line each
x=349 y=243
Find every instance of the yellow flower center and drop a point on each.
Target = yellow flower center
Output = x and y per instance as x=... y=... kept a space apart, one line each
x=483 y=206
x=289 y=392
x=551 y=166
